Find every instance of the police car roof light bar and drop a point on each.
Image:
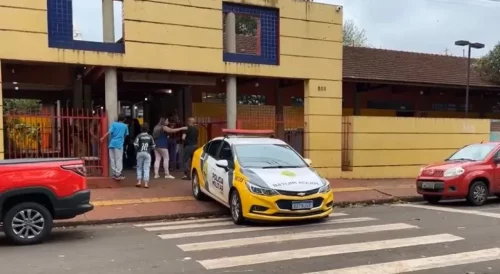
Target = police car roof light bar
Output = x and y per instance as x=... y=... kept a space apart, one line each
x=240 y=132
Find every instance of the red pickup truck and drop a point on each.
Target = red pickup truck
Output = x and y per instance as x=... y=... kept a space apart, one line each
x=34 y=192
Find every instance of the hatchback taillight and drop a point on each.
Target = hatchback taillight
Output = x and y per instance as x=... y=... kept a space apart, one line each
x=78 y=169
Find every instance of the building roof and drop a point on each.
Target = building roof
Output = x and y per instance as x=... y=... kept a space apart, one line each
x=408 y=67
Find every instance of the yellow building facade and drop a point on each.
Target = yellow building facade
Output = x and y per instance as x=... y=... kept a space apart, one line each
x=187 y=35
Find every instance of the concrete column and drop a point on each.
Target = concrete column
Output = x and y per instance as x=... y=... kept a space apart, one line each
x=108 y=21
x=110 y=75
x=2 y=152
x=111 y=94
x=231 y=101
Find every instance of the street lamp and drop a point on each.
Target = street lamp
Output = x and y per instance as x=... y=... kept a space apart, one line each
x=470 y=45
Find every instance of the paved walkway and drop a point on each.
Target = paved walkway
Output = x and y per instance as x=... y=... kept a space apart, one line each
x=168 y=199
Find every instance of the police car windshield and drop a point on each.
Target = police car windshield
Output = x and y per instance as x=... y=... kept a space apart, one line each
x=268 y=156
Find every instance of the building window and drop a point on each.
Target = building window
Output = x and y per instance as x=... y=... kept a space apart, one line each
x=63 y=34
x=256 y=34
x=243 y=99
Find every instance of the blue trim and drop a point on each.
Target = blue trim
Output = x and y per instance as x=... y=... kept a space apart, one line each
x=247 y=58
x=89 y=46
x=60 y=30
x=269 y=38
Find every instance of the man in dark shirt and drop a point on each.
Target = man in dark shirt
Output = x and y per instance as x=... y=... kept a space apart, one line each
x=190 y=139
x=144 y=144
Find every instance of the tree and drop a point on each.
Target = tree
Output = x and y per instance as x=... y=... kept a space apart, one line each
x=354 y=36
x=488 y=66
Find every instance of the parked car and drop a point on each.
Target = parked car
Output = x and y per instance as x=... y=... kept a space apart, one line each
x=34 y=192
x=259 y=178
x=473 y=172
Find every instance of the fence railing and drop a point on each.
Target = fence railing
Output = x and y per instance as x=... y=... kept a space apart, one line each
x=64 y=133
x=211 y=127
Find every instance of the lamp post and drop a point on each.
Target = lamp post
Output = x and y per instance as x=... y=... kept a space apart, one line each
x=470 y=45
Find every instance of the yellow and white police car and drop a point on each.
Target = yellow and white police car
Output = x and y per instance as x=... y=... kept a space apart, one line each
x=259 y=178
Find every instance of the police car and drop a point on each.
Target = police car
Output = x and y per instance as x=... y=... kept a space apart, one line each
x=259 y=178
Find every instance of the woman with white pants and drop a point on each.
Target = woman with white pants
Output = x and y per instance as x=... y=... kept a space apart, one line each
x=161 y=149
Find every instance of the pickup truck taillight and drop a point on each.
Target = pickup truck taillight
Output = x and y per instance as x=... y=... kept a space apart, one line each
x=78 y=169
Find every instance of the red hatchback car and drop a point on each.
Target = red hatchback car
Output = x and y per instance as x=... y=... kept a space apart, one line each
x=473 y=172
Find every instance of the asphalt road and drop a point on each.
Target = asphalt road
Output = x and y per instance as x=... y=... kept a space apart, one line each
x=405 y=238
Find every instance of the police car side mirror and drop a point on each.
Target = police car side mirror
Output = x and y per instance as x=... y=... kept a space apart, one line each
x=222 y=164
x=308 y=161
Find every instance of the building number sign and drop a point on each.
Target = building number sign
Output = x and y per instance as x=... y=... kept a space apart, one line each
x=321 y=88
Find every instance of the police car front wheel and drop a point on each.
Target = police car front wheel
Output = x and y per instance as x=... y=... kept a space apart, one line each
x=235 y=207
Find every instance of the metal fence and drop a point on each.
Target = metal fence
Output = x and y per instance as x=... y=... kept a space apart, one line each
x=69 y=133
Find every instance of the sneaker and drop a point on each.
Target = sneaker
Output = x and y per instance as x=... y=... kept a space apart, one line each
x=186 y=178
x=169 y=176
x=121 y=177
x=157 y=176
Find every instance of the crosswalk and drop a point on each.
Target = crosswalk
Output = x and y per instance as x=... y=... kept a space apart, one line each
x=218 y=244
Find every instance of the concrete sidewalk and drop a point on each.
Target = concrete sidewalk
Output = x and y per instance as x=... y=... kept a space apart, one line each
x=171 y=199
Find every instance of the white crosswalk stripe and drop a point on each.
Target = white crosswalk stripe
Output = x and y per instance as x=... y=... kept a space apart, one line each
x=261 y=245
x=290 y=237
x=254 y=228
x=484 y=255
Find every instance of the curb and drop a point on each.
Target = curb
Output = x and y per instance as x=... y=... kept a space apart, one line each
x=138 y=219
x=221 y=213
x=391 y=200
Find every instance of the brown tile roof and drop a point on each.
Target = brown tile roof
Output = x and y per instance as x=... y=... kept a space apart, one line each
x=408 y=67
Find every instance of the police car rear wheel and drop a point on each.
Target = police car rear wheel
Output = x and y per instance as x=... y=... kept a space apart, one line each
x=198 y=195
x=235 y=207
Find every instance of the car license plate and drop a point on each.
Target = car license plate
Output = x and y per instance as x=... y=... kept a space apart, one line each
x=302 y=205
x=428 y=185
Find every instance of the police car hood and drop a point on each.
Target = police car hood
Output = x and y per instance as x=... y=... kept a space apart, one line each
x=288 y=179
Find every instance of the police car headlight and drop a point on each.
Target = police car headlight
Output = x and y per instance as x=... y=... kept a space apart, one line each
x=261 y=190
x=325 y=188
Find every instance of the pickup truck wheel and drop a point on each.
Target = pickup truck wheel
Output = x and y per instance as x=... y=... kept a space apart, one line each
x=433 y=200
x=27 y=223
x=478 y=193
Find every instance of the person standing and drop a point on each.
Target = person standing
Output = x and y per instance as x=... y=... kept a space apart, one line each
x=161 y=150
x=117 y=132
x=190 y=138
x=144 y=144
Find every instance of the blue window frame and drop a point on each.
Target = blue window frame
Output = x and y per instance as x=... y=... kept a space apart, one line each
x=269 y=34
x=60 y=24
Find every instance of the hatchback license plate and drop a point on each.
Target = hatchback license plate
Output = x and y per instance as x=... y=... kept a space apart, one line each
x=428 y=185
x=302 y=205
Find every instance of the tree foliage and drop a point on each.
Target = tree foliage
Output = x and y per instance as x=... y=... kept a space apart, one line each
x=354 y=36
x=21 y=105
x=246 y=25
x=488 y=66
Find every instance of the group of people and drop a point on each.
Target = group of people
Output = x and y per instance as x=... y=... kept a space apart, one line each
x=145 y=144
